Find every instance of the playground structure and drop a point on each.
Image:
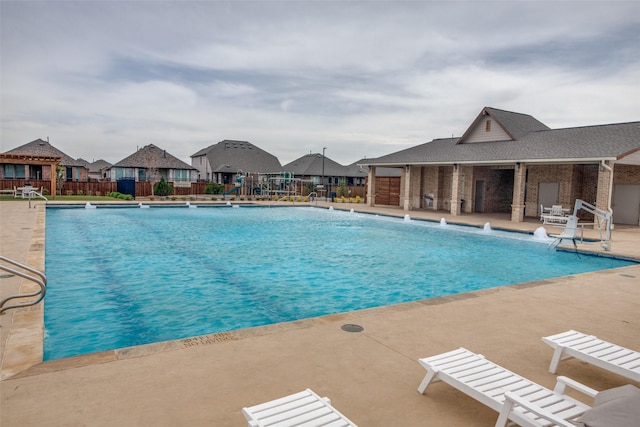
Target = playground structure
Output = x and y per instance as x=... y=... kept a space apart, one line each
x=280 y=184
x=238 y=186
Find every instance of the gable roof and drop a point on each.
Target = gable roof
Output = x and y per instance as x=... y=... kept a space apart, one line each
x=152 y=156
x=96 y=166
x=40 y=147
x=311 y=165
x=516 y=125
x=582 y=144
x=99 y=165
x=230 y=156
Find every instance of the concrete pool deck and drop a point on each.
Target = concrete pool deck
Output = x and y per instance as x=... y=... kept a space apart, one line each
x=371 y=376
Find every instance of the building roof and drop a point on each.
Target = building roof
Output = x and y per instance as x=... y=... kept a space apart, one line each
x=312 y=165
x=230 y=156
x=516 y=125
x=40 y=147
x=96 y=166
x=532 y=143
x=356 y=169
x=151 y=156
x=99 y=165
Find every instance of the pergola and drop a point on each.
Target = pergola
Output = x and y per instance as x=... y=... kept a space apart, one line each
x=35 y=159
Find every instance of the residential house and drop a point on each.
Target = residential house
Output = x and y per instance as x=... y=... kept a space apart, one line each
x=35 y=163
x=98 y=170
x=507 y=162
x=35 y=170
x=150 y=164
x=320 y=171
x=223 y=162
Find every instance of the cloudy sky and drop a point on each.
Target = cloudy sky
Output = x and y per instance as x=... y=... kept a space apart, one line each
x=361 y=78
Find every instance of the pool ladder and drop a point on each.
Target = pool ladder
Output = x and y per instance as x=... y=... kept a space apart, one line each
x=41 y=280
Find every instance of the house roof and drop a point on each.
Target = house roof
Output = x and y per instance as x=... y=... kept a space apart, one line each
x=230 y=156
x=356 y=170
x=99 y=165
x=151 y=156
x=312 y=165
x=40 y=147
x=516 y=125
x=359 y=169
x=532 y=143
x=96 y=166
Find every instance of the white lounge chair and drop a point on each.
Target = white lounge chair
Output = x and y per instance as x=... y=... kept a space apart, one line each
x=514 y=397
x=595 y=351
x=305 y=408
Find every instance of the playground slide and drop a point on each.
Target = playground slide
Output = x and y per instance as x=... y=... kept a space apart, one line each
x=235 y=189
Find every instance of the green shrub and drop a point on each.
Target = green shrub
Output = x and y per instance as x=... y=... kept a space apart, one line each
x=162 y=188
x=213 y=188
x=121 y=196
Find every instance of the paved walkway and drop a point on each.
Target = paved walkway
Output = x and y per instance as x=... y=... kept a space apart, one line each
x=371 y=376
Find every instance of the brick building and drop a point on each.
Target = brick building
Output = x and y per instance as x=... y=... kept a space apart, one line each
x=512 y=163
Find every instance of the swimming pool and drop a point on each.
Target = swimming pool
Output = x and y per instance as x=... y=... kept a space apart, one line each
x=122 y=277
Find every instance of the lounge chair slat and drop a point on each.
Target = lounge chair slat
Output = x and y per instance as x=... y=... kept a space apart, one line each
x=307 y=412
x=305 y=408
x=590 y=349
x=487 y=383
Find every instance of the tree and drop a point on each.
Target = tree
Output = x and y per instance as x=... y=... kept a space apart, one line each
x=61 y=173
x=162 y=188
x=152 y=169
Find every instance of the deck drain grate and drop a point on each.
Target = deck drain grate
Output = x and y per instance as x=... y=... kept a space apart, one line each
x=352 y=328
x=6 y=276
x=631 y=276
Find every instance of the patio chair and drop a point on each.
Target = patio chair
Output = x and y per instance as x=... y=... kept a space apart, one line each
x=556 y=215
x=595 y=351
x=570 y=232
x=305 y=408
x=557 y=210
x=515 y=398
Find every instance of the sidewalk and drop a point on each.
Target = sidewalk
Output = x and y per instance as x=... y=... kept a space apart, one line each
x=371 y=376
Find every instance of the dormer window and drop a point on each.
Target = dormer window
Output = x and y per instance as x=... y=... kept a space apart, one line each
x=487 y=126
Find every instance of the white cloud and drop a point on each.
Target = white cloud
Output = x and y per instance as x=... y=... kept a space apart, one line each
x=360 y=78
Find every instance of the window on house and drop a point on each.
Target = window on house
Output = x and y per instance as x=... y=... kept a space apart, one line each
x=14 y=171
x=69 y=174
x=487 y=126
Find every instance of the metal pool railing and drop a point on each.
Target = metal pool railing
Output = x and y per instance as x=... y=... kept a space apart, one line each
x=41 y=280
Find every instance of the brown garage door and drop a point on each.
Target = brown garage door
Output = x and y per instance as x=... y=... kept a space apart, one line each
x=388 y=191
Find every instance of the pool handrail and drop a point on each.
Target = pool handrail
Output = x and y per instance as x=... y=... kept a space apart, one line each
x=41 y=281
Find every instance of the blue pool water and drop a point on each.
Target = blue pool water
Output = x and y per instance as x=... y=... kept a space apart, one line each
x=121 y=277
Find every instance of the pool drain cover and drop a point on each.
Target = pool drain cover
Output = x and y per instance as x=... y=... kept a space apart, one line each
x=352 y=328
